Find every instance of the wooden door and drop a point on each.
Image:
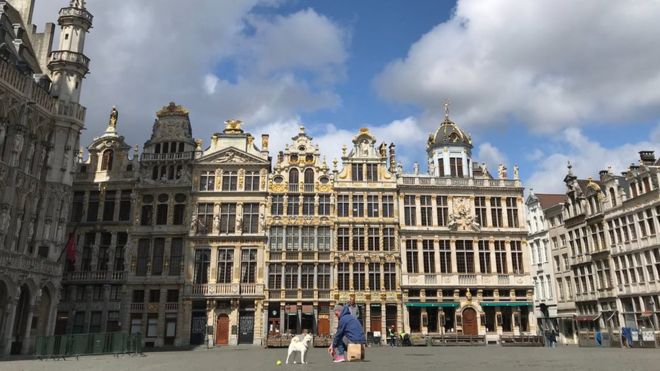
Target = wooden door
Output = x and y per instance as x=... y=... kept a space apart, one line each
x=375 y=324
x=222 y=330
x=470 y=322
x=323 y=326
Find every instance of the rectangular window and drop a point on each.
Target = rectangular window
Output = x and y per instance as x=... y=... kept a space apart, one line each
x=147 y=213
x=125 y=205
x=464 y=256
x=161 y=210
x=207 y=181
x=276 y=238
x=484 y=257
x=229 y=181
x=342 y=205
x=97 y=293
x=324 y=238
x=152 y=325
x=512 y=212
x=496 y=211
x=176 y=257
x=389 y=270
x=202 y=262
x=441 y=166
x=172 y=296
x=109 y=206
x=115 y=293
x=343 y=276
x=323 y=276
x=428 y=256
x=372 y=206
x=227 y=218
x=157 y=257
x=122 y=239
x=252 y=181
x=372 y=172
x=307 y=277
x=248 y=265
x=412 y=263
x=292 y=238
x=388 y=206
x=410 y=210
x=358 y=206
x=373 y=239
x=136 y=324
x=142 y=257
x=308 y=238
x=293 y=205
x=480 y=211
x=77 y=206
x=442 y=210
x=356 y=173
x=324 y=204
x=358 y=277
x=388 y=239
x=93 y=206
x=445 y=256
x=154 y=296
x=500 y=257
x=205 y=218
x=277 y=205
x=516 y=257
x=225 y=265
x=342 y=239
x=308 y=205
x=103 y=254
x=374 y=276
x=86 y=263
x=426 y=210
x=358 y=239
x=138 y=296
x=95 y=322
x=291 y=276
x=274 y=276
x=251 y=218
x=456 y=166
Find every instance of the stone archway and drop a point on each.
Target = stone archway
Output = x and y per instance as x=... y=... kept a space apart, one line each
x=20 y=320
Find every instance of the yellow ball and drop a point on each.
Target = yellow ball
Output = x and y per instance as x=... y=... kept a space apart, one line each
x=278 y=362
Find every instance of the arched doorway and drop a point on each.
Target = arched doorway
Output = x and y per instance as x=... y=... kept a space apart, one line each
x=20 y=321
x=222 y=330
x=42 y=315
x=470 y=322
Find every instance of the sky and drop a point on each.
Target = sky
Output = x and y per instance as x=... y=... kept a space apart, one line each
x=536 y=83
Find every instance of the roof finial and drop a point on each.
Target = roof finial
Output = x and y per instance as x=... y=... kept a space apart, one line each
x=570 y=168
x=446 y=109
x=112 y=123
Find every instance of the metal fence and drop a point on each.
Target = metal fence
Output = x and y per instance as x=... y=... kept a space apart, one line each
x=62 y=346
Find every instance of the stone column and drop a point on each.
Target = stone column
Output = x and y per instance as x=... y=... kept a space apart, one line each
x=24 y=335
x=7 y=328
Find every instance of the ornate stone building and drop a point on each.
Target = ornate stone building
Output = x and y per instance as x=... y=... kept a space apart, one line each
x=463 y=244
x=40 y=123
x=157 y=242
x=94 y=286
x=367 y=261
x=300 y=251
x=227 y=238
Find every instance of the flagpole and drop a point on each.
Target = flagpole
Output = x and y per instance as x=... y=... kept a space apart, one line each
x=67 y=242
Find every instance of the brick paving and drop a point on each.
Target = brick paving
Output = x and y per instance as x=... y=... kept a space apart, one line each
x=489 y=358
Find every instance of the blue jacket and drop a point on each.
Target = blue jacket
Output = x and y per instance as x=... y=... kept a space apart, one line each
x=350 y=327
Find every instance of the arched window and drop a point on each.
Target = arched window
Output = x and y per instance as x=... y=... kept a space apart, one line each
x=612 y=197
x=309 y=176
x=106 y=160
x=293 y=176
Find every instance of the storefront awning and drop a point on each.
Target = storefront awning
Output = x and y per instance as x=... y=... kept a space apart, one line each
x=506 y=304
x=442 y=304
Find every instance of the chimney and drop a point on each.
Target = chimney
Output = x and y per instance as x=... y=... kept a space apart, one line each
x=264 y=142
x=647 y=157
x=392 y=158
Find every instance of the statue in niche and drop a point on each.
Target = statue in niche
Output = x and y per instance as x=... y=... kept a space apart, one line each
x=216 y=223
x=193 y=223
x=18 y=147
x=364 y=147
x=382 y=149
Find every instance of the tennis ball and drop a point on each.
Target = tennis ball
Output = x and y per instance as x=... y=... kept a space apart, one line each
x=279 y=362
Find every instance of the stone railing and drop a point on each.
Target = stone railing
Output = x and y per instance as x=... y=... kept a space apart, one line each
x=94 y=276
x=9 y=260
x=137 y=307
x=224 y=289
x=458 y=182
x=69 y=56
x=171 y=307
x=75 y=12
x=71 y=109
x=167 y=156
x=453 y=279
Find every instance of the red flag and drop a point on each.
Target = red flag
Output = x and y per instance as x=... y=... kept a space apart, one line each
x=71 y=248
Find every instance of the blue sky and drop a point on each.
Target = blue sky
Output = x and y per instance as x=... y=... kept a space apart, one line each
x=535 y=83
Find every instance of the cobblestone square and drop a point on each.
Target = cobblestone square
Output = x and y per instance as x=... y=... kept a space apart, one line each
x=490 y=358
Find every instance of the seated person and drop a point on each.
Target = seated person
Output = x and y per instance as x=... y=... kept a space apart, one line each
x=348 y=327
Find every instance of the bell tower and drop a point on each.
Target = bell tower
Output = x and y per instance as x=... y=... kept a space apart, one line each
x=68 y=65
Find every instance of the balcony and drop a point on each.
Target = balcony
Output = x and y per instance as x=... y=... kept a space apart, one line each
x=171 y=307
x=95 y=276
x=308 y=294
x=224 y=290
x=291 y=294
x=66 y=13
x=59 y=57
x=167 y=156
x=28 y=264
x=503 y=279
x=461 y=279
x=467 y=279
x=308 y=255
x=71 y=109
x=293 y=187
x=458 y=182
x=137 y=307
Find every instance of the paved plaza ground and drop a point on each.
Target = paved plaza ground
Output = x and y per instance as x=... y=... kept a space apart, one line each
x=489 y=358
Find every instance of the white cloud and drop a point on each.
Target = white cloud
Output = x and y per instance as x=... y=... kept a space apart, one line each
x=217 y=58
x=587 y=157
x=491 y=155
x=549 y=64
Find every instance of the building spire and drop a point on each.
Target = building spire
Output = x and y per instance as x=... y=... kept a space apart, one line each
x=446 y=109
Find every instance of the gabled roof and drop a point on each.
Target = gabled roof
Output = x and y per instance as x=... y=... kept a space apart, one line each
x=231 y=155
x=547 y=200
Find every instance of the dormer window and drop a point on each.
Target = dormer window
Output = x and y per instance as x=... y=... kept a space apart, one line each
x=456 y=166
x=106 y=160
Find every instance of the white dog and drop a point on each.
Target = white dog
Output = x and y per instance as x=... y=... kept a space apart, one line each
x=299 y=345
